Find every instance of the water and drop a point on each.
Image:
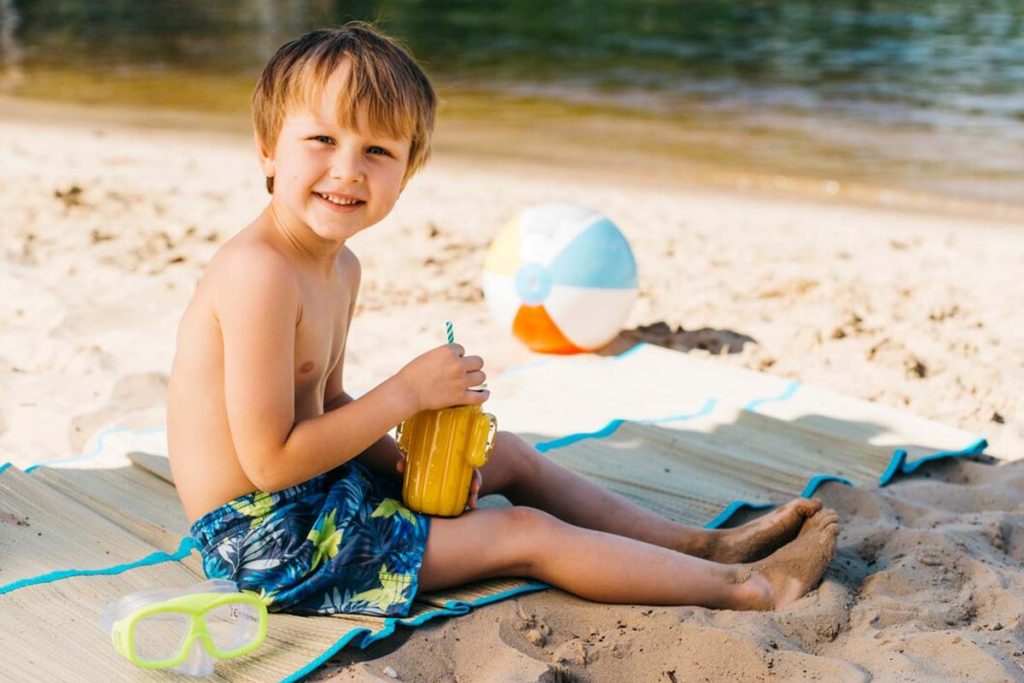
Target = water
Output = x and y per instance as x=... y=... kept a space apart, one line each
x=924 y=96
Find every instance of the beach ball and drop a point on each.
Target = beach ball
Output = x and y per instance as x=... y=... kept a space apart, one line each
x=561 y=277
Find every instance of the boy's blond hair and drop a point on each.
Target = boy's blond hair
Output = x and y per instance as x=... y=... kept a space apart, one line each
x=384 y=81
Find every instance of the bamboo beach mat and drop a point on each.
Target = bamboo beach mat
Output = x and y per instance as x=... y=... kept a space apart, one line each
x=691 y=439
x=557 y=403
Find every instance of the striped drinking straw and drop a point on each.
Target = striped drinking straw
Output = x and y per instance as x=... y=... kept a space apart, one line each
x=450 y=330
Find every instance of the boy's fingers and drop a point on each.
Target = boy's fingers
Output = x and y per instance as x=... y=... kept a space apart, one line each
x=474 y=489
x=471 y=363
x=477 y=395
x=459 y=350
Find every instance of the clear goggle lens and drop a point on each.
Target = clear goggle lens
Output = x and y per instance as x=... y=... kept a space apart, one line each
x=231 y=627
x=160 y=637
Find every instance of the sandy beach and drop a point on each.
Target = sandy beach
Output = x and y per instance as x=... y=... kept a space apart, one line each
x=106 y=227
x=926 y=587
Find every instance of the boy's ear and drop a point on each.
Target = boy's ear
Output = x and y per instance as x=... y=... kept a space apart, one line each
x=266 y=158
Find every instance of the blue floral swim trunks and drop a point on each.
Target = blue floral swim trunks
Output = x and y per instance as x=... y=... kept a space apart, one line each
x=341 y=542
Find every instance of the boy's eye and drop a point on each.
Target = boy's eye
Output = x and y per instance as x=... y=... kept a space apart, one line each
x=326 y=139
x=379 y=150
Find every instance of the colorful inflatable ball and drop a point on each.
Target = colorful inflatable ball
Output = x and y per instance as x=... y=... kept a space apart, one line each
x=561 y=277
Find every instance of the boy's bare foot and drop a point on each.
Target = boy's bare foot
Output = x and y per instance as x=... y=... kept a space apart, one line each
x=765 y=534
x=782 y=578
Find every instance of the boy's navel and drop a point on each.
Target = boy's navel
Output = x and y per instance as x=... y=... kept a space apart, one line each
x=306 y=367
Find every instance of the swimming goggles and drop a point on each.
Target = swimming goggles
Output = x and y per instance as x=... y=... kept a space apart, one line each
x=186 y=628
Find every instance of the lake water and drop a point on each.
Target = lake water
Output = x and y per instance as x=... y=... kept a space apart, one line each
x=924 y=96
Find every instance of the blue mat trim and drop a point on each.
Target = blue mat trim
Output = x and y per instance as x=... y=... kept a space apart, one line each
x=4 y=467
x=814 y=482
x=899 y=465
x=184 y=549
x=606 y=431
x=786 y=394
x=613 y=425
x=451 y=608
x=732 y=509
x=706 y=409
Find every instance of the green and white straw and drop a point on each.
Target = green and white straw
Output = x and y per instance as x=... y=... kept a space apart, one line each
x=450 y=330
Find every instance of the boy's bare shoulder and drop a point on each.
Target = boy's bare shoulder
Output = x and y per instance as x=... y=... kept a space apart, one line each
x=248 y=269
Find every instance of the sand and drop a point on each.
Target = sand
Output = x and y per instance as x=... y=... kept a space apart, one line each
x=106 y=227
x=927 y=585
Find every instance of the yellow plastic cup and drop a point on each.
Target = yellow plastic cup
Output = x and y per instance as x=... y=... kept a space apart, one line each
x=441 y=448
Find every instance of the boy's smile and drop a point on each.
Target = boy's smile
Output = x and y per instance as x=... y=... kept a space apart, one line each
x=340 y=201
x=329 y=179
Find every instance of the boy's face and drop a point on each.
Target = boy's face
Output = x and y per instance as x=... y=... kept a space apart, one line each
x=334 y=180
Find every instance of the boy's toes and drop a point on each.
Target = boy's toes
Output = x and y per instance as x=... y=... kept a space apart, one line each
x=808 y=506
x=824 y=521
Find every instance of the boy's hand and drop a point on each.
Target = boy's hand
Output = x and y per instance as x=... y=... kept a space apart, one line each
x=474 y=488
x=441 y=378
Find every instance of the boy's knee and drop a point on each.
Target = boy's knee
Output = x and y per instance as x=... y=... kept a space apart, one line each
x=506 y=441
x=528 y=519
x=520 y=457
x=529 y=529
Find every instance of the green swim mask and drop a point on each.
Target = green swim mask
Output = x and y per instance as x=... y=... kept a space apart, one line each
x=186 y=629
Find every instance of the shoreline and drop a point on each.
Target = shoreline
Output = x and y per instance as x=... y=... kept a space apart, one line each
x=461 y=136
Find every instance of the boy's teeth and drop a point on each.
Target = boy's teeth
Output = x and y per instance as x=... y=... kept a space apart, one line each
x=343 y=202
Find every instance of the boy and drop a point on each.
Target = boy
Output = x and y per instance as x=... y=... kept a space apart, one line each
x=293 y=488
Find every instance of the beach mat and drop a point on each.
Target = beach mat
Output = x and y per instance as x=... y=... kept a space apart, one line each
x=691 y=439
x=590 y=397
x=76 y=542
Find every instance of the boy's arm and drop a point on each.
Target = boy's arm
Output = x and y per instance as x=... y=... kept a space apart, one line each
x=383 y=455
x=258 y=317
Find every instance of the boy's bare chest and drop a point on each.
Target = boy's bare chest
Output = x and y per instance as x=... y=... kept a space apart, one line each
x=320 y=337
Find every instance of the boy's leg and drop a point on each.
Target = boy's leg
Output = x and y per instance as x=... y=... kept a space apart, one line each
x=608 y=568
x=527 y=477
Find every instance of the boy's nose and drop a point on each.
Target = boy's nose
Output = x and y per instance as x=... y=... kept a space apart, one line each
x=347 y=166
